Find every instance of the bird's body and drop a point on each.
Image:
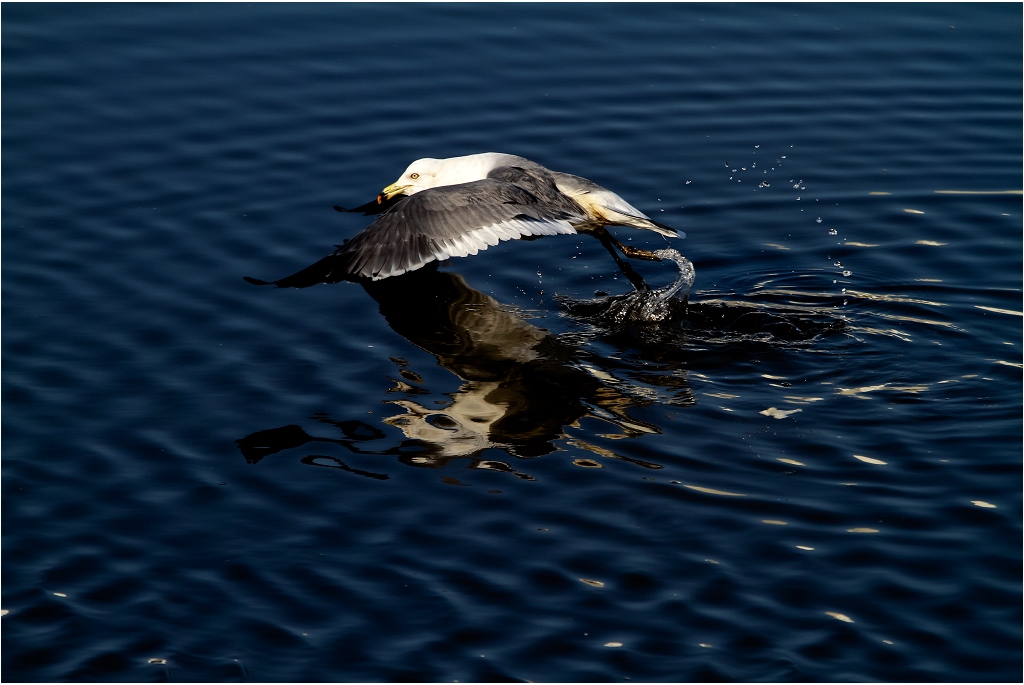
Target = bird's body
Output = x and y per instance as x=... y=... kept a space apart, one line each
x=458 y=206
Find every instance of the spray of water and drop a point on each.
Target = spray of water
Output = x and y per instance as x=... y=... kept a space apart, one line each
x=657 y=305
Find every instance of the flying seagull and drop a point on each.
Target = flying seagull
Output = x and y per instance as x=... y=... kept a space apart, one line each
x=442 y=208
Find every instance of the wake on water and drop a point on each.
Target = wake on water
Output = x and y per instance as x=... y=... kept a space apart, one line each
x=669 y=309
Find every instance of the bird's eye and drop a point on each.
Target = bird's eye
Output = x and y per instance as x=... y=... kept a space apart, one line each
x=414 y=175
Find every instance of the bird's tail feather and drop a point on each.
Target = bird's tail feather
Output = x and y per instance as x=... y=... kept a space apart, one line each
x=667 y=230
x=637 y=219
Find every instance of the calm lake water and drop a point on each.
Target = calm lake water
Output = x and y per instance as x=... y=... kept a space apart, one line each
x=480 y=473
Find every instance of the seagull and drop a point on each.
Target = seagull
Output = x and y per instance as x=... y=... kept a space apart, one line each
x=455 y=207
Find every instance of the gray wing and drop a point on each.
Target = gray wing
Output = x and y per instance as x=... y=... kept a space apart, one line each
x=459 y=220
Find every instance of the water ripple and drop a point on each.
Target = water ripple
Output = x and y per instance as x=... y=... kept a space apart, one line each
x=481 y=473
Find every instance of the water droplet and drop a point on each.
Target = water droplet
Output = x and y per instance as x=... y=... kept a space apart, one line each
x=847 y=272
x=831 y=231
x=818 y=220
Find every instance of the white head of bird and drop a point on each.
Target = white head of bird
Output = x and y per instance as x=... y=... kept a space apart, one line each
x=427 y=173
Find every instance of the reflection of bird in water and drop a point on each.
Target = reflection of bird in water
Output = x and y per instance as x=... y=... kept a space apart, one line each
x=521 y=386
x=441 y=208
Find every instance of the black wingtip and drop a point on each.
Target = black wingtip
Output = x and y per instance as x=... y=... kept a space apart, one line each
x=333 y=268
x=676 y=231
x=376 y=206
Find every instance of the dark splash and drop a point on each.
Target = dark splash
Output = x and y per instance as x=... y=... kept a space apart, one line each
x=644 y=305
x=711 y=321
x=669 y=317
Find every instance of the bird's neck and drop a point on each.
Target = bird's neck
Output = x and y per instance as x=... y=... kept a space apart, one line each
x=474 y=167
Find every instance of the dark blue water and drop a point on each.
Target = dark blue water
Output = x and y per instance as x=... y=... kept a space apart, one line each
x=810 y=473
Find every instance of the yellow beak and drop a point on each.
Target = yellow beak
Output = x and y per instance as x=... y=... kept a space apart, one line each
x=390 y=192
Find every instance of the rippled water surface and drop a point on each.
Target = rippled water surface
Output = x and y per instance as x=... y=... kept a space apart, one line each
x=494 y=470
